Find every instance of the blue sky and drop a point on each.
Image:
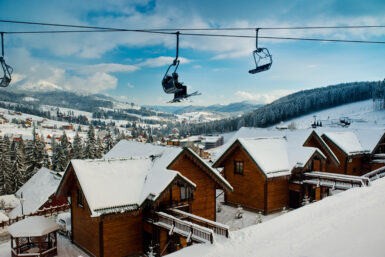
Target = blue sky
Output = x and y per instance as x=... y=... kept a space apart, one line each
x=130 y=66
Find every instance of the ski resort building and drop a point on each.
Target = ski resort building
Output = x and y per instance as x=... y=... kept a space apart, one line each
x=38 y=193
x=260 y=170
x=272 y=169
x=142 y=195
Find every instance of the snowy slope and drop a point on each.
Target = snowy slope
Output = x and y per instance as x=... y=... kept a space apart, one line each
x=361 y=114
x=348 y=224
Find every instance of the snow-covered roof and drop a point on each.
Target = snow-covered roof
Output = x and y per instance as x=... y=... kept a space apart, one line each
x=347 y=141
x=285 y=151
x=123 y=184
x=165 y=154
x=36 y=191
x=269 y=153
x=127 y=149
x=345 y=225
x=32 y=227
x=369 y=138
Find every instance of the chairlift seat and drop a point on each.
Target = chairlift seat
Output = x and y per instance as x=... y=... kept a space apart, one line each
x=5 y=81
x=169 y=85
x=261 y=68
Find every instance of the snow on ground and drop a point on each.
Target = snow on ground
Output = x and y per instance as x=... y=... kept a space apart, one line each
x=227 y=215
x=196 y=117
x=348 y=224
x=361 y=114
x=65 y=249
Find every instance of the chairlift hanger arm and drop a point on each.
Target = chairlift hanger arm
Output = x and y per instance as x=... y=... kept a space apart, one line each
x=177 y=48
x=2 y=44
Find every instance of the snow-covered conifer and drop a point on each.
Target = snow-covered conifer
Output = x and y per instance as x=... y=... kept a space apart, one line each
x=109 y=142
x=90 y=149
x=16 y=178
x=77 y=147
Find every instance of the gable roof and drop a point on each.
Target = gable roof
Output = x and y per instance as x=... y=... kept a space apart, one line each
x=347 y=141
x=269 y=154
x=111 y=185
x=166 y=155
x=284 y=151
x=326 y=147
x=36 y=191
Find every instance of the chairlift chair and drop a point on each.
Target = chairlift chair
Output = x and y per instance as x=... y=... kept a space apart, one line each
x=262 y=58
x=169 y=82
x=6 y=78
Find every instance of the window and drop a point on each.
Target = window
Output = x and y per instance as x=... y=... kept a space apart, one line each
x=80 y=198
x=185 y=193
x=238 y=167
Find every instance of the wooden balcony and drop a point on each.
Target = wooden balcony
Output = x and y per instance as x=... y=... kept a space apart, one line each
x=218 y=228
x=375 y=174
x=335 y=181
x=191 y=231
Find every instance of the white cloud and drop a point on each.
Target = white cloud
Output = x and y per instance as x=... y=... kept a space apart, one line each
x=108 y=68
x=263 y=98
x=130 y=85
x=161 y=61
x=91 y=84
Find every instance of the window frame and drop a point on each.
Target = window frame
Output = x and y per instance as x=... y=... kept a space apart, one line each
x=238 y=167
x=80 y=198
x=186 y=194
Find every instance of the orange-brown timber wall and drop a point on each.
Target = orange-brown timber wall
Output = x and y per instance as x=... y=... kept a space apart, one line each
x=249 y=188
x=203 y=204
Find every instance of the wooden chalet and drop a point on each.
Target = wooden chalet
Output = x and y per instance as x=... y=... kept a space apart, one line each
x=260 y=170
x=39 y=193
x=139 y=196
x=355 y=151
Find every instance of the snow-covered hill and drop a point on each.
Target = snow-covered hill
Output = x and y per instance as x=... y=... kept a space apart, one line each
x=361 y=114
x=349 y=224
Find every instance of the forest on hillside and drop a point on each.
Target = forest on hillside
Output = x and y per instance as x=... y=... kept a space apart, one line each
x=291 y=106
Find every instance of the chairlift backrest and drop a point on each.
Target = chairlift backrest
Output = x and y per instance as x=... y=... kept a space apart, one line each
x=259 y=55
x=5 y=80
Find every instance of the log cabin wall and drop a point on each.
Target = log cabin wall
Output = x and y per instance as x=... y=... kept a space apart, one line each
x=349 y=165
x=277 y=194
x=203 y=204
x=313 y=141
x=85 y=230
x=123 y=234
x=249 y=188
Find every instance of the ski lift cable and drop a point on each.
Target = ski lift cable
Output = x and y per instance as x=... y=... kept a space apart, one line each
x=192 y=29
x=196 y=34
x=159 y=31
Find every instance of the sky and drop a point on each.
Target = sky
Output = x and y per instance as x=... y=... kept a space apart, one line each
x=130 y=66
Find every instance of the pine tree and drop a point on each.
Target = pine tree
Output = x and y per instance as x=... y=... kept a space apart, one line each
x=65 y=146
x=16 y=177
x=90 y=149
x=109 y=142
x=77 y=147
x=54 y=153
x=29 y=159
x=99 y=149
x=61 y=159
x=5 y=165
x=45 y=161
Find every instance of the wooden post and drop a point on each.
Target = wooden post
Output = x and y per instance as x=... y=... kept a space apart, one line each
x=40 y=245
x=17 y=245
